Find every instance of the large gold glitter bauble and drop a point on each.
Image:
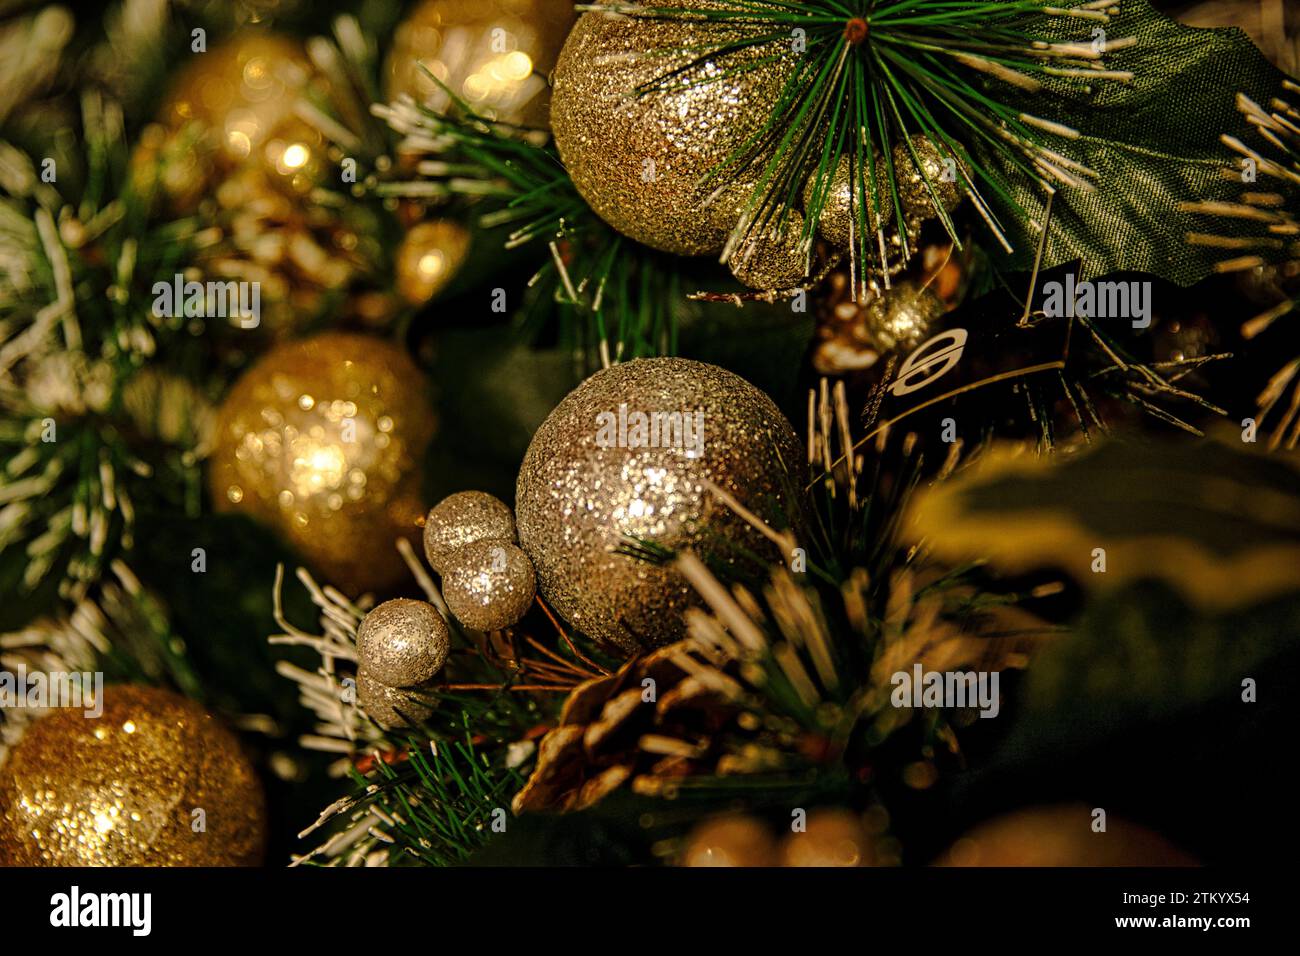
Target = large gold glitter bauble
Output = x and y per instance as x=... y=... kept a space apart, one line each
x=838 y=223
x=153 y=780
x=772 y=256
x=628 y=453
x=322 y=441
x=1061 y=836
x=831 y=838
x=429 y=257
x=940 y=168
x=641 y=159
x=494 y=54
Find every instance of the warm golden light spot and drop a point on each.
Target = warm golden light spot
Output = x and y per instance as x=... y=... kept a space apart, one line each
x=103 y=822
x=432 y=263
x=129 y=726
x=296 y=156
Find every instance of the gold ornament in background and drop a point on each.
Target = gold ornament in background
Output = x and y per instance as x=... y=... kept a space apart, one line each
x=640 y=160
x=230 y=147
x=728 y=841
x=322 y=441
x=429 y=257
x=838 y=224
x=587 y=483
x=124 y=788
x=851 y=336
x=773 y=257
x=236 y=104
x=494 y=54
x=1061 y=836
x=488 y=585
x=403 y=642
x=832 y=837
x=461 y=519
x=940 y=168
x=901 y=317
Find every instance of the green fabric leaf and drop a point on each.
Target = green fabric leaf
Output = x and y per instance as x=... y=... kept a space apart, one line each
x=1154 y=142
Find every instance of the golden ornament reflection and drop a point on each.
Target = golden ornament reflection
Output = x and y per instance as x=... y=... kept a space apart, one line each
x=495 y=54
x=322 y=440
x=429 y=258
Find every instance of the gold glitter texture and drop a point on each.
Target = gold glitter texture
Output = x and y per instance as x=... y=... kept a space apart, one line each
x=576 y=498
x=640 y=161
x=462 y=519
x=403 y=642
x=772 y=258
x=488 y=585
x=838 y=223
x=911 y=186
x=322 y=441
x=121 y=789
x=494 y=54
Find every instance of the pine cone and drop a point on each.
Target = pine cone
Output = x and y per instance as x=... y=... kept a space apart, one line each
x=620 y=728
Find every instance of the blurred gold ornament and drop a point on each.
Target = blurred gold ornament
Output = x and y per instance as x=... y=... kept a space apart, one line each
x=1061 y=836
x=403 y=642
x=494 y=54
x=461 y=519
x=902 y=316
x=429 y=257
x=322 y=441
x=628 y=454
x=236 y=105
x=641 y=159
x=832 y=837
x=230 y=147
x=939 y=167
x=126 y=788
x=772 y=257
x=838 y=223
x=488 y=585
x=730 y=841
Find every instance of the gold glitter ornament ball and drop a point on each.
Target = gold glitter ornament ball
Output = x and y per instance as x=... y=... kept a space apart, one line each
x=939 y=167
x=838 y=223
x=902 y=316
x=461 y=519
x=322 y=441
x=730 y=841
x=494 y=54
x=488 y=585
x=628 y=453
x=639 y=159
x=125 y=788
x=403 y=642
x=773 y=257
x=393 y=708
